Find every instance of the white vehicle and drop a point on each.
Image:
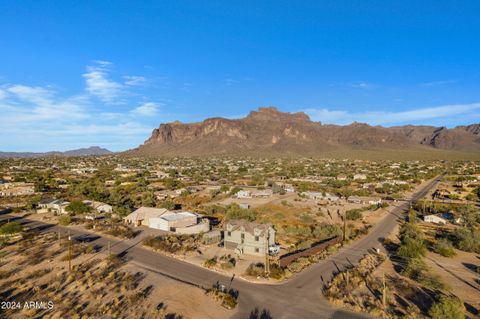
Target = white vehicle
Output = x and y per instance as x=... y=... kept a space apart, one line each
x=273 y=249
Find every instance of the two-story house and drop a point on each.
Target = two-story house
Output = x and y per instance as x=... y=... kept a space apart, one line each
x=249 y=238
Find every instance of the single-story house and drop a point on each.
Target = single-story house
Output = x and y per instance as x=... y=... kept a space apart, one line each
x=164 y=219
x=99 y=207
x=243 y=194
x=143 y=215
x=364 y=200
x=264 y=193
x=436 y=219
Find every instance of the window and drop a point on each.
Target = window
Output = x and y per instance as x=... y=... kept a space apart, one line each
x=243 y=236
x=257 y=250
x=229 y=234
x=257 y=238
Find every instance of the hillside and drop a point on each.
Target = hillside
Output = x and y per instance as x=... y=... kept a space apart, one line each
x=269 y=131
x=92 y=150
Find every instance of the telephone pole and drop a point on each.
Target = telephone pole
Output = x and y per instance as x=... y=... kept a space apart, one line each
x=69 y=253
x=344 y=227
x=384 y=292
x=267 y=261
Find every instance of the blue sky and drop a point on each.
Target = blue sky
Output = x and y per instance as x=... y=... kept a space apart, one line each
x=81 y=73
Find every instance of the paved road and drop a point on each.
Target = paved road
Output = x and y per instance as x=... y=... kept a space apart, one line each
x=299 y=297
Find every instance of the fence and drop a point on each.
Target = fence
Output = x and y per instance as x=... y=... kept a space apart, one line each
x=287 y=259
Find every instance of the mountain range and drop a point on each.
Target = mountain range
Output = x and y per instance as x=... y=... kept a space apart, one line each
x=269 y=131
x=92 y=150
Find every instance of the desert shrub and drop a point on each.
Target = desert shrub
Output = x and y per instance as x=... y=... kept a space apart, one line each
x=326 y=231
x=122 y=231
x=229 y=301
x=417 y=270
x=234 y=211
x=258 y=270
x=255 y=270
x=64 y=220
x=173 y=243
x=276 y=272
x=211 y=262
x=10 y=228
x=467 y=239
x=353 y=214
x=228 y=261
x=445 y=248
x=411 y=248
x=447 y=307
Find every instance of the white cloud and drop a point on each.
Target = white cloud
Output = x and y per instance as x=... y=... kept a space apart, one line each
x=437 y=83
x=146 y=109
x=421 y=115
x=3 y=94
x=99 y=84
x=134 y=80
x=362 y=85
x=230 y=82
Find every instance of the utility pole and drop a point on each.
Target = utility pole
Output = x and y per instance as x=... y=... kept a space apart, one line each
x=344 y=227
x=267 y=261
x=69 y=253
x=348 y=279
x=384 y=292
x=109 y=248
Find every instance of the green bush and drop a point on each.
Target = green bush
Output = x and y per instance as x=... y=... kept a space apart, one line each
x=78 y=207
x=234 y=211
x=64 y=220
x=211 y=262
x=417 y=270
x=447 y=308
x=445 y=248
x=412 y=248
x=353 y=214
x=258 y=270
x=467 y=240
x=10 y=228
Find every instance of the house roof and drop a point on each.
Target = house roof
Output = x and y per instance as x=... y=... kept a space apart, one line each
x=146 y=213
x=177 y=216
x=249 y=227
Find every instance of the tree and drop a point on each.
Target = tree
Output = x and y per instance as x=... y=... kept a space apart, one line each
x=447 y=308
x=78 y=207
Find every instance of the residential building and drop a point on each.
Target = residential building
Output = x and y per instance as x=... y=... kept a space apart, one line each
x=99 y=207
x=364 y=200
x=264 y=193
x=16 y=189
x=166 y=220
x=436 y=219
x=243 y=194
x=249 y=238
x=53 y=205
